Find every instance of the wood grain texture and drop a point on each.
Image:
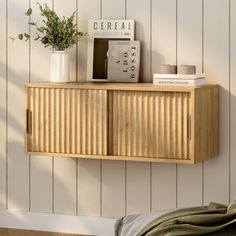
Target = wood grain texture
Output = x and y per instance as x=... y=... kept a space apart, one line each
x=164 y=47
x=113 y=173
x=139 y=124
x=145 y=124
x=115 y=158
x=18 y=75
x=115 y=86
x=87 y=108
x=232 y=100
x=3 y=104
x=190 y=40
x=205 y=129
x=40 y=169
x=216 y=64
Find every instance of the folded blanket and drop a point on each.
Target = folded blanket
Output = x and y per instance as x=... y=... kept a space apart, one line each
x=214 y=219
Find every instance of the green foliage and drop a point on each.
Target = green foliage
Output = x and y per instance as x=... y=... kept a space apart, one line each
x=54 y=32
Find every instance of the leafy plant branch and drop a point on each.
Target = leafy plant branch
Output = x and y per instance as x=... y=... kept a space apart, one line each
x=54 y=32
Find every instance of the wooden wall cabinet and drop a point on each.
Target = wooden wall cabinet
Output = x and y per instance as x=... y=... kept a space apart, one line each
x=140 y=122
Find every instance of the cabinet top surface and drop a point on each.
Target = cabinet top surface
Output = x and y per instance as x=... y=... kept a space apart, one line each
x=116 y=86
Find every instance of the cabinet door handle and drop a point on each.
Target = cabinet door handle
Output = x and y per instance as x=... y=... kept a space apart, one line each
x=189 y=124
x=28 y=121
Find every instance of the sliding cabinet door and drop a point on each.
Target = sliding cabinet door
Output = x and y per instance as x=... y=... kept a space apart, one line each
x=149 y=124
x=67 y=121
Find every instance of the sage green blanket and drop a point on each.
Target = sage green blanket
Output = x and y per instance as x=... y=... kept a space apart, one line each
x=213 y=220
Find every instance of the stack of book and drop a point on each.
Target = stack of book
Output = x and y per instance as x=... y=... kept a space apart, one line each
x=178 y=80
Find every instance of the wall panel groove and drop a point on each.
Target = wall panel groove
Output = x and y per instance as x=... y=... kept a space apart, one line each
x=3 y=105
x=216 y=64
x=142 y=24
x=89 y=171
x=163 y=52
x=189 y=188
x=40 y=168
x=18 y=163
x=113 y=173
x=65 y=169
x=232 y=99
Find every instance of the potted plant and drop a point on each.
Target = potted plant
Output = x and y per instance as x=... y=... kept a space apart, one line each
x=57 y=33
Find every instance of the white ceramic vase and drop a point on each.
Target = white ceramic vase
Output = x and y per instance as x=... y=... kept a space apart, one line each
x=59 y=67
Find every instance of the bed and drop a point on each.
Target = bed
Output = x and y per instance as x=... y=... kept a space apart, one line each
x=212 y=220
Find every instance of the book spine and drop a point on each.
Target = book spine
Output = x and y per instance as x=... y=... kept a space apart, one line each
x=171 y=82
x=177 y=76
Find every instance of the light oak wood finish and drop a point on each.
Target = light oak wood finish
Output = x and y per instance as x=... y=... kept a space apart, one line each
x=150 y=124
x=87 y=108
x=157 y=125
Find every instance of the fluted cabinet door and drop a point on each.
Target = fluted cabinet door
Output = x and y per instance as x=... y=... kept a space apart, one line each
x=149 y=124
x=67 y=121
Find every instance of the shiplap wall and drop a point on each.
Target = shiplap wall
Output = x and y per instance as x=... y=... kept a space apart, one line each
x=201 y=32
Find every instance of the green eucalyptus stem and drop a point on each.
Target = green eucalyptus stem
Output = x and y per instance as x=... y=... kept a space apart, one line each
x=54 y=32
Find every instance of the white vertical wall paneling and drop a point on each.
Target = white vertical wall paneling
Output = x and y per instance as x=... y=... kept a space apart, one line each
x=3 y=78
x=189 y=50
x=233 y=101
x=163 y=52
x=163 y=186
x=113 y=188
x=89 y=171
x=138 y=187
x=89 y=188
x=65 y=168
x=138 y=174
x=216 y=64
x=18 y=75
x=40 y=167
x=83 y=15
x=113 y=173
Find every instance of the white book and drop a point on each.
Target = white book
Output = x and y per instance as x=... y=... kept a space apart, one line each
x=180 y=82
x=177 y=76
